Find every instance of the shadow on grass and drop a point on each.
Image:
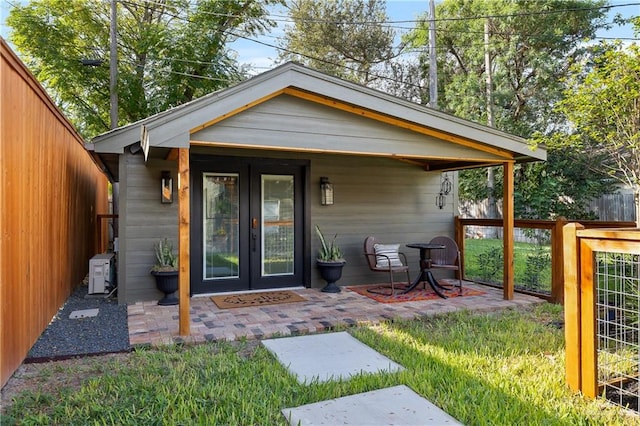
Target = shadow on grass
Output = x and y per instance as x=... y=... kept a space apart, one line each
x=464 y=366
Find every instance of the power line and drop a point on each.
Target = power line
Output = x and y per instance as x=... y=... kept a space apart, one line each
x=287 y=19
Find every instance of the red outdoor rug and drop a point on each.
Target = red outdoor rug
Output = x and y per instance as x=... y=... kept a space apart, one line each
x=413 y=296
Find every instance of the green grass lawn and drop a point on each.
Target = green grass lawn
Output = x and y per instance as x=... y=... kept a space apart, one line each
x=502 y=368
x=483 y=260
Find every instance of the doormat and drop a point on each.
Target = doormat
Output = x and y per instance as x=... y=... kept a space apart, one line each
x=244 y=300
x=413 y=296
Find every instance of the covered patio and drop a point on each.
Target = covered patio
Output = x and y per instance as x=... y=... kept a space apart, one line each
x=153 y=325
x=297 y=127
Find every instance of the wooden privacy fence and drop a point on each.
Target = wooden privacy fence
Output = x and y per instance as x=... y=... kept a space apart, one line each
x=466 y=229
x=602 y=295
x=50 y=194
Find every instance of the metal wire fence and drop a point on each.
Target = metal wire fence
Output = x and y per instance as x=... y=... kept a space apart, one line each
x=617 y=285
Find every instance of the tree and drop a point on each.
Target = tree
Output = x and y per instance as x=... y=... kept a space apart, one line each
x=170 y=52
x=345 y=38
x=602 y=103
x=531 y=47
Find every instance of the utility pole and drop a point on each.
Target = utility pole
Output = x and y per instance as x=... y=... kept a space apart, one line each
x=113 y=67
x=488 y=74
x=113 y=103
x=492 y=208
x=433 y=64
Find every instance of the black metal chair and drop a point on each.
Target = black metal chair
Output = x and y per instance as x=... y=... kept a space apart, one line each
x=449 y=258
x=387 y=262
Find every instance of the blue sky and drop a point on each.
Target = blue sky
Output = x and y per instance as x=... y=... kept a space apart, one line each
x=262 y=56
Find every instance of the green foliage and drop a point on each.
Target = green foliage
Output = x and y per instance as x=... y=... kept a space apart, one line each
x=535 y=264
x=491 y=264
x=166 y=259
x=169 y=52
x=483 y=261
x=560 y=187
x=529 y=52
x=601 y=102
x=344 y=38
x=328 y=252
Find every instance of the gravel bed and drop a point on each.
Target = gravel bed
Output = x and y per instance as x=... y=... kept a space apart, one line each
x=107 y=332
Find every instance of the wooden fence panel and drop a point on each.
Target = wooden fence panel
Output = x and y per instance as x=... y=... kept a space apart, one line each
x=50 y=194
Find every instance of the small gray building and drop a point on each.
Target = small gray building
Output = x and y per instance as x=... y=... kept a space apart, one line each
x=245 y=167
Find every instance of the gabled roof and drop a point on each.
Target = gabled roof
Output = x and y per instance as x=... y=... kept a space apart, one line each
x=174 y=127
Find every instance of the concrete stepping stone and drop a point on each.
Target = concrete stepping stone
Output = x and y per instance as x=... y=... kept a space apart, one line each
x=398 y=405
x=84 y=313
x=329 y=356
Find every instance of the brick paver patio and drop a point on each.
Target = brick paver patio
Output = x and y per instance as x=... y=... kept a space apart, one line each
x=150 y=324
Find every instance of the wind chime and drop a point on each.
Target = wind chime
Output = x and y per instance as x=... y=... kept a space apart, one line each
x=445 y=189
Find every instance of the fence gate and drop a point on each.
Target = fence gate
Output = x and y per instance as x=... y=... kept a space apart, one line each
x=602 y=324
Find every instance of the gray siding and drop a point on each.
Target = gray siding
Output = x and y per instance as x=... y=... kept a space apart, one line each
x=296 y=124
x=387 y=198
x=144 y=220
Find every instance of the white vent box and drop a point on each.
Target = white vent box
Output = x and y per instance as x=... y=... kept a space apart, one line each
x=101 y=273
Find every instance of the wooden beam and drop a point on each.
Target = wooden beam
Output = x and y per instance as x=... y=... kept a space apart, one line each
x=172 y=155
x=507 y=224
x=572 y=309
x=443 y=163
x=184 y=288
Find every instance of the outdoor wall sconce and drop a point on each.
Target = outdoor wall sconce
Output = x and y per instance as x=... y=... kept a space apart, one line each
x=445 y=189
x=167 y=187
x=445 y=185
x=326 y=192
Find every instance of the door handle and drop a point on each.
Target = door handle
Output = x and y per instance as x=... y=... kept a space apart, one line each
x=254 y=237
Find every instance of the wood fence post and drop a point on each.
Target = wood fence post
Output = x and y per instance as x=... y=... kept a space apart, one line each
x=557 y=261
x=572 y=306
x=588 y=335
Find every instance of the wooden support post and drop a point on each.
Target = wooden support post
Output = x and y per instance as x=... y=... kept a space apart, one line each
x=507 y=219
x=459 y=237
x=184 y=288
x=572 y=307
x=557 y=261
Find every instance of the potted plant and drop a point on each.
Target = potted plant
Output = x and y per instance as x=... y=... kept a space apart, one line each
x=165 y=272
x=330 y=262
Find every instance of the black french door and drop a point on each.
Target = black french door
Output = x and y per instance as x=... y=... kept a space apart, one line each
x=248 y=224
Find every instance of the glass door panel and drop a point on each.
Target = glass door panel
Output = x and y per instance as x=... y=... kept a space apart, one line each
x=278 y=225
x=220 y=205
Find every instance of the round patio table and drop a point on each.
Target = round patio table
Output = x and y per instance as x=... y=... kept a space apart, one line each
x=425 y=268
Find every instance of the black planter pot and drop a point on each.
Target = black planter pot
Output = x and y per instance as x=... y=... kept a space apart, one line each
x=167 y=282
x=330 y=272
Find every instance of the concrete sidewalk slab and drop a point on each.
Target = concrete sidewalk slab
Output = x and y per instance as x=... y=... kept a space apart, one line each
x=398 y=405
x=329 y=356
